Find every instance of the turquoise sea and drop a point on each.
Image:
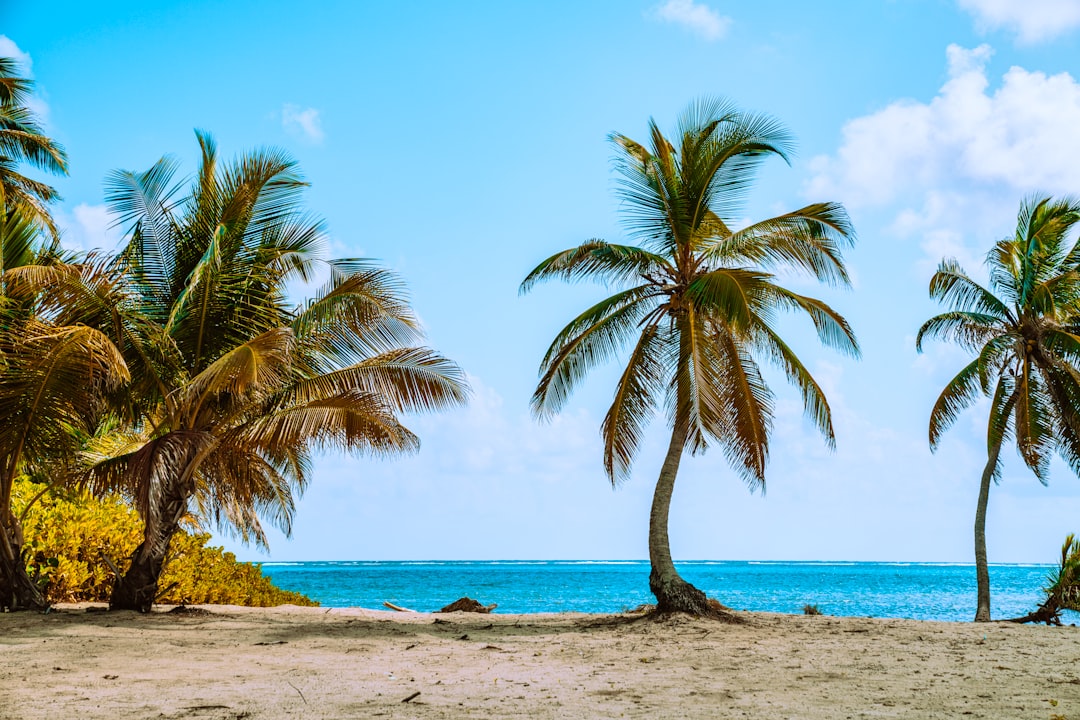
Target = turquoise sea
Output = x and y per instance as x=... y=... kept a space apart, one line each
x=923 y=591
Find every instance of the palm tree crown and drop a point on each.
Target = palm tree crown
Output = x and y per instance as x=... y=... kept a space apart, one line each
x=697 y=300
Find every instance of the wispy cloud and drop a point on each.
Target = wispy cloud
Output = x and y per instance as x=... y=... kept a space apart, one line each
x=1032 y=20
x=8 y=48
x=36 y=103
x=88 y=227
x=304 y=122
x=696 y=17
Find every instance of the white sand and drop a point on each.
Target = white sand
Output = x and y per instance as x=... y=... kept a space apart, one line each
x=314 y=663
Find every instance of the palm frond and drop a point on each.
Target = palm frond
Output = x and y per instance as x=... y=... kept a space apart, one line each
x=806 y=240
x=593 y=338
x=636 y=397
x=598 y=260
x=951 y=285
x=815 y=404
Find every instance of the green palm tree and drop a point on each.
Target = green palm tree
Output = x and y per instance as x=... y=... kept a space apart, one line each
x=53 y=375
x=1025 y=333
x=22 y=140
x=240 y=386
x=698 y=303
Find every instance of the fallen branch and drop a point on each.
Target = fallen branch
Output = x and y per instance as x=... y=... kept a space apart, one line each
x=397 y=608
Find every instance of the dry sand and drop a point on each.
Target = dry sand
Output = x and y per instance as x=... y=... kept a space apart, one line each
x=344 y=663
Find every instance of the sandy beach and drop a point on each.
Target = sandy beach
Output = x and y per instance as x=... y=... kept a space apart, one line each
x=230 y=663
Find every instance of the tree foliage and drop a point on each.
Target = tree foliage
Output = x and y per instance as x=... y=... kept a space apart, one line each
x=235 y=385
x=72 y=537
x=23 y=142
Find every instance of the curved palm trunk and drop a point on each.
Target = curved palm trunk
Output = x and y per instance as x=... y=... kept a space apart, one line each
x=138 y=587
x=982 y=570
x=673 y=594
x=17 y=590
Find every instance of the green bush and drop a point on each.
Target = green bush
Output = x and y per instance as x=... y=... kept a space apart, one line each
x=68 y=536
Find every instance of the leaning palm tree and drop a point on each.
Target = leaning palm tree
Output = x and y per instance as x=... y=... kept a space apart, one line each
x=1062 y=587
x=1025 y=333
x=22 y=140
x=240 y=386
x=698 y=302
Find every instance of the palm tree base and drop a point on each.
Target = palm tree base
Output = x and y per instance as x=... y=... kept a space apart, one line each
x=675 y=595
x=17 y=590
x=137 y=588
x=1047 y=613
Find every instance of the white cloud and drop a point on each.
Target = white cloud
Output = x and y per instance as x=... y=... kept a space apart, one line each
x=304 y=122
x=1021 y=135
x=8 y=48
x=1032 y=20
x=88 y=227
x=955 y=168
x=696 y=17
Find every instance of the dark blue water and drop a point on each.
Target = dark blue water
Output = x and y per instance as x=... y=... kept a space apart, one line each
x=923 y=591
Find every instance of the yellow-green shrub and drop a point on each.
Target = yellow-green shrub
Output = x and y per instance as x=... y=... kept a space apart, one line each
x=68 y=535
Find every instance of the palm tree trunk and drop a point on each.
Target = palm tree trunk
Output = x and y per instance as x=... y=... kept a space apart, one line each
x=982 y=570
x=673 y=594
x=138 y=587
x=17 y=590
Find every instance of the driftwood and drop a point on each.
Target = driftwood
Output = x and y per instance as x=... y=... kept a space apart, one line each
x=398 y=608
x=467 y=604
x=1048 y=613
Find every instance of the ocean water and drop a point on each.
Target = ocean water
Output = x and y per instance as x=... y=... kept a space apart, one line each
x=922 y=591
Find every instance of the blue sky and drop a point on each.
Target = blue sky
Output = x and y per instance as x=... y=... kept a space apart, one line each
x=461 y=143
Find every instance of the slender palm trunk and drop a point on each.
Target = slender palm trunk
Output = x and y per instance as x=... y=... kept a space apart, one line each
x=138 y=587
x=982 y=570
x=673 y=594
x=17 y=590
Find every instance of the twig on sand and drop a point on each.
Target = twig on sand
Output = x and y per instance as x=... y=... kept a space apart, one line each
x=412 y=697
x=297 y=691
x=398 y=608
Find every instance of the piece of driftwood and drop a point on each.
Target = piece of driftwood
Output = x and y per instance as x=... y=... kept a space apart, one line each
x=398 y=608
x=467 y=604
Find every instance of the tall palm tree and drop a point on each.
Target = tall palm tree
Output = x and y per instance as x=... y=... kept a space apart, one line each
x=22 y=140
x=698 y=301
x=1025 y=332
x=240 y=386
x=53 y=376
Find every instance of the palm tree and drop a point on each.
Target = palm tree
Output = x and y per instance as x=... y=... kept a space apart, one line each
x=699 y=301
x=240 y=387
x=22 y=141
x=1062 y=587
x=1025 y=333
x=52 y=379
